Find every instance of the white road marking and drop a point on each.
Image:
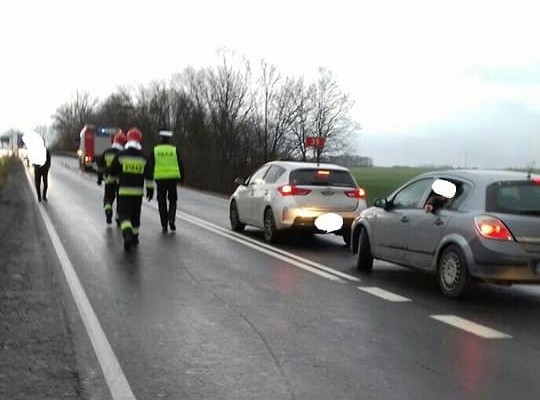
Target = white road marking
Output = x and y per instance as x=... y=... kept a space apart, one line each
x=112 y=371
x=303 y=260
x=383 y=294
x=266 y=248
x=290 y=258
x=472 y=327
x=258 y=248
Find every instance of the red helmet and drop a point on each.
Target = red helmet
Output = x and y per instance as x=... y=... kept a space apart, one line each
x=120 y=138
x=134 y=135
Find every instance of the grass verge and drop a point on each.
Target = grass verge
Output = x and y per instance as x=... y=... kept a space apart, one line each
x=4 y=166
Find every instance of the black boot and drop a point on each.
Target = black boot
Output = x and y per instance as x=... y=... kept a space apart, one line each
x=128 y=239
x=108 y=215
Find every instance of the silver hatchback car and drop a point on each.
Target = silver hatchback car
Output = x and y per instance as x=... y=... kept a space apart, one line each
x=286 y=195
x=489 y=231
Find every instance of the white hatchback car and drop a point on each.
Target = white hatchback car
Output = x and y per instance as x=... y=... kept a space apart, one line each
x=286 y=195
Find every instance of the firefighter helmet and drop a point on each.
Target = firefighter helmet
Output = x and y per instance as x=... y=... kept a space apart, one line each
x=120 y=138
x=135 y=135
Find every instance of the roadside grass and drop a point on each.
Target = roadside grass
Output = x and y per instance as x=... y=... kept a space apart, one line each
x=4 y=166
x=381 y=181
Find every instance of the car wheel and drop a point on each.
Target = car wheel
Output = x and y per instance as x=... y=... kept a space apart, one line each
x=452 y=272
x=270 y=231
x=364 y=262
x=236 y=224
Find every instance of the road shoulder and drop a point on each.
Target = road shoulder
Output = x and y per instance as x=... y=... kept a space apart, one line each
x=37 y=360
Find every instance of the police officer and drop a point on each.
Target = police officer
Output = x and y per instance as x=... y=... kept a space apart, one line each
x=168 y=172
x=131 y=168
x=104 y=162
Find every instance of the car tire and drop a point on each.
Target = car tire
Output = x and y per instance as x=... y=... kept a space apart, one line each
x=364 y=262
x=452 y=272
x=236 y=224
x=271 y=234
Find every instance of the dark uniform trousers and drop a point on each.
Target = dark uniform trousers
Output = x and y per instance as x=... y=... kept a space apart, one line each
x=111 y=190
x=129 y=213
x=39 y=174
x=166 y=190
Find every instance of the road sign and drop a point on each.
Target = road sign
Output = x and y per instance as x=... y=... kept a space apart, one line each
x=315 y=141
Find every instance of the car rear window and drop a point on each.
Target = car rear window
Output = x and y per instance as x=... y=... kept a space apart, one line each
x=321 y=177
x=518 y=197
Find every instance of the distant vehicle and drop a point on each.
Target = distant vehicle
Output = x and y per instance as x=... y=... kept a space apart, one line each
x=284 y=195
x=488 y=231
x=93 y=142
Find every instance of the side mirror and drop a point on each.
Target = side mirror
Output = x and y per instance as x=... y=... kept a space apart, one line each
x=239 y=181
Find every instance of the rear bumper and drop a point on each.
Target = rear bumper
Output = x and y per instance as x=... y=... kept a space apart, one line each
x=506 y=262
x=308 y=224
x=522 y=273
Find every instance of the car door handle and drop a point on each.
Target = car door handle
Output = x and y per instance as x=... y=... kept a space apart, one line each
x=251 y=192
x=439 y=221
x=266 y=192
x=404 y=219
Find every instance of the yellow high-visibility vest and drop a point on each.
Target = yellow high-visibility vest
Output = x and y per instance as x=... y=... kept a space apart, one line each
x=166 y=162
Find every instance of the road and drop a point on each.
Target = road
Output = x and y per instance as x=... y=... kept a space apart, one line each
x=208 y=314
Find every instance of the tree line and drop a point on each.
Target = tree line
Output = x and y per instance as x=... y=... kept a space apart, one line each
x=227 y=119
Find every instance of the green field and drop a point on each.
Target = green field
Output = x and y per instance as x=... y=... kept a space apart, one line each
x=381 y=181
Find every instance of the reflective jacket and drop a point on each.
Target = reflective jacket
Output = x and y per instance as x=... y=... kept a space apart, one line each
x=104 y=162
x=166 y=163
x=131 y=170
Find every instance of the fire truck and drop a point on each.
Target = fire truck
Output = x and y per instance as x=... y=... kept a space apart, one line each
x=93 y=142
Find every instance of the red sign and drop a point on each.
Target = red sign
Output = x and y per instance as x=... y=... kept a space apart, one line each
x=315 y=141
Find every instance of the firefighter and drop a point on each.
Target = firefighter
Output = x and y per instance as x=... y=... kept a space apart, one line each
x=168 y=172
x=104 y=162
x=131 y=169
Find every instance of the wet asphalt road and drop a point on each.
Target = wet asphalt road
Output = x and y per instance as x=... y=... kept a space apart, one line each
x=202 y=314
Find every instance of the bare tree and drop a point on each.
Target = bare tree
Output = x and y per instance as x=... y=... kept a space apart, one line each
x=69 y=119
x=117 y=110
x=274 y=112
x=301 y=126
x=228 y=104
x=331 y=108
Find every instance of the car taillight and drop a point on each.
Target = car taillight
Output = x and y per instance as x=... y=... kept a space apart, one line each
x=492 y=228
x=357 y=193
x=291 y=190
x=536 y=181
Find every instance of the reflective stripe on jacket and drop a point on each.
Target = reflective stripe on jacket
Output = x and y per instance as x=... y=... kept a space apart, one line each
x=131 y=169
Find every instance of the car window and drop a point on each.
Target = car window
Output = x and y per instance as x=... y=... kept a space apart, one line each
x=258 y=175
x=411 y=195
x=462 y=191
x=517 y=197
x=321 y=177
x=273 y=173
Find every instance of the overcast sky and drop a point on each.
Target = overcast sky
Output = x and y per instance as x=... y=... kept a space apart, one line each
x=453 y=82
